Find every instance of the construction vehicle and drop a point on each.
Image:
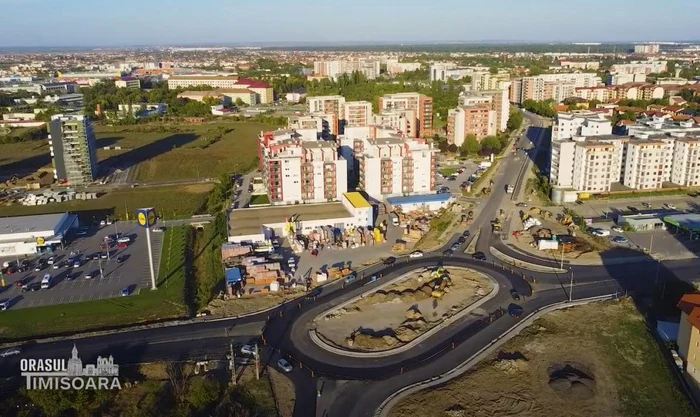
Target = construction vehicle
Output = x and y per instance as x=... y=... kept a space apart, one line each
x=536 y=210
x=496 y=225
x=486 y=191
x=439 y=289
x=566 y=220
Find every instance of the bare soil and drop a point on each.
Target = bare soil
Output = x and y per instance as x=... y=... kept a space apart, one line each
x=243 y=305
x=594 y=360
x=399 y=313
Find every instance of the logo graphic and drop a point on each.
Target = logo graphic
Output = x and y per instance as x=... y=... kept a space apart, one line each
x=62 y=374
x=146 y=217
x=40 y=241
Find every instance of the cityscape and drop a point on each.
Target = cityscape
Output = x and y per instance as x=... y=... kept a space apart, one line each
x=350 y=217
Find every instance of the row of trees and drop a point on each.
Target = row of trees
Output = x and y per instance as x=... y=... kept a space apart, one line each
x=543 y=108
x=488 y=145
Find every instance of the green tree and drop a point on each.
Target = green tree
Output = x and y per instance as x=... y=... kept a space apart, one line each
x=202 y=392
x=211 y=101
x=443 y=145
x=490 y=144
x=240 y=103
x=470 y=146
x=515 y=120
x=452 y=148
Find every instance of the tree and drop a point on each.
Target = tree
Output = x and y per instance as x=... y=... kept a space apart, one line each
x=203 y=392
x=493 y=70
x=452 y=148
x=240 y=103
x=515 y=120
x=443 y=146
x=470 y=146
x=490 y=144
x=211 y=101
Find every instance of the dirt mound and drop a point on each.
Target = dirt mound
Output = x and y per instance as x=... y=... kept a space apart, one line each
x=572 y=384
x=511 y=366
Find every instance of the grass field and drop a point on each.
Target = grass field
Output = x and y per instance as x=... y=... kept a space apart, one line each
x=610 y=345
x=164 y=303
x=180 y=151
x=172 y=202
x=448 y=171
x=259 y=199
x=24 y=158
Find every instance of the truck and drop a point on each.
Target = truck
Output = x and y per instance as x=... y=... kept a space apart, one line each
x=394 y=219
x=510 y=188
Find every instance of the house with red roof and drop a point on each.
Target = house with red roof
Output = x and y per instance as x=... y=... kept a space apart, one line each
x=689 y=334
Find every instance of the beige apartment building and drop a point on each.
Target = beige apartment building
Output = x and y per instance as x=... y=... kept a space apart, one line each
x=595 y=166
x=498 y=100
x=327 y=105
x=644 y=164
x=686 y=162
x=689 y=335
x=421 y=104
x=357 y=113
x=551 y=86
x=477 y=119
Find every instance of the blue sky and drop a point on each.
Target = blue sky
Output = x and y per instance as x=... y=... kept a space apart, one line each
x=148 y=22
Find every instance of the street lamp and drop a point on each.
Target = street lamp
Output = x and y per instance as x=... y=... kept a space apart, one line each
x=571 y=284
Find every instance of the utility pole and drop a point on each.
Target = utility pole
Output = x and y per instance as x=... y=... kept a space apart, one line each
x=651 y=246
x=571 y=284
x=257 y=362
x=232 y=364
x=100 y=261
x=561 y=266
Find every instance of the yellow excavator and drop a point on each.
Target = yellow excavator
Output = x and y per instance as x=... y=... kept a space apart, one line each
x=439 y=289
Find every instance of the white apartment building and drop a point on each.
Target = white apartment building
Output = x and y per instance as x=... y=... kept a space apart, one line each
x=551 y=86
x=644 y=164
x=582 y=65
x=580 y=123
x=643 y=67
x=370 y=68
x=395 y=166
x=686 y=162
x=217 y=81
x=488 y=81
x=296 y=171
x=393 y=66
x=312 y=126
x=357 y=113
x=402 y=120
x=441 y=71
x=327 y=105
x=647 y=49
x=618 y=79
x=596 y=165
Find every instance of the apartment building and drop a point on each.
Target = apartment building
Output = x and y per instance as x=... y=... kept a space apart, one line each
x=72 y=148
x=611 y=93
x=442 y=71
x=477 y=119
x=596 y=165
x=488 y=81
x=582 y=65
x=395 y=166
x=689 y=335
x=498 y=99
x=551 y=86
x=619 y=79
x=357 y=113
x=300 y=171
x=128 y=82
x=263 y=91
x=580 y=123
x=59 y=88
x=404 y=121
x=370 y=68
x=685 y=169
x=647 y=49
x=327 y=105
x=421 y=104
x=643 y=67
x=644 y=164
x=313 y=126
x=393 y=66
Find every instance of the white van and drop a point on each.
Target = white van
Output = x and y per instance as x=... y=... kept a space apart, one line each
x=46 y=282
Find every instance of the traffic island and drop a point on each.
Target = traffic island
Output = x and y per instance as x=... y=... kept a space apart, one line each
x=509 y=260
x=404 y=312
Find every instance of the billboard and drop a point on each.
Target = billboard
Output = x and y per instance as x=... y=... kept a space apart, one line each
x=146 y=217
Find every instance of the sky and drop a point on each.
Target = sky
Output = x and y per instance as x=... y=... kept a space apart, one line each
x=189 y=22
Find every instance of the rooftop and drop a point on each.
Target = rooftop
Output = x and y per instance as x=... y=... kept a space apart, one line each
x=357 y=200
x=250 y=221
x=684 y=221
x=26 y=224
x=416 y=199
x=203 y=77
x=690 y=305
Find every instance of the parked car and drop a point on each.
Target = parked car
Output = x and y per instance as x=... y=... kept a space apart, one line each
x=104 y=255
x=350 y=278
x=103 y=223
x=479 y=256
x=124 y=239
x=4 y=305
x=51 y=260
x=120 y=259
x=159 y=229
x=76 y=263
x=96 y=256
x=521 y=205
x=124 y=292
x=461 y=240
x=56 y=265
x=670 y=206
x=89 y=275
x=515 y=295
x=284 y=365
x=646 y=205
x=416 y=254
x=515 y=310
x=248 y=350
x=617 y=229
x=389 y=261
x=447 y=252
x=465 y=233
x=122 y=245
x=21 y=282
x=31 y=287
x=600 y=232
x=579 y=202
x=81 y=233
x=620 y=239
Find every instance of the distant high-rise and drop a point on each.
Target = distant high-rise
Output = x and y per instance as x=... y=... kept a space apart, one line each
x=72 y=146
x=647 y=49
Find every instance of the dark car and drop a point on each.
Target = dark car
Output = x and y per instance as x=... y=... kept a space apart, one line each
x=389 y=261
x=95 y=256
x=447 y=252
x=120 y=259
x=515 y=310
x=515 y=295
x=21 y=282
x=465 y=233
x=479 y=256
x=31 y=287
x=462 y=240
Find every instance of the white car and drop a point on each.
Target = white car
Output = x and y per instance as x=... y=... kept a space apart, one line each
x=617 y=229
x=601 y=232
x=103 y=223
x=124 y=240
x=160 y=229
x=51 y=260
x=248 y=350
x=4 y=305
x=284 y=365
x=10 y=352
x=670 y=206
x=416 y=254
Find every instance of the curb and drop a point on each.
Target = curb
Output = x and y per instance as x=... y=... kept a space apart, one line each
x=420 y=339
x=387 y=404
x=525 y=265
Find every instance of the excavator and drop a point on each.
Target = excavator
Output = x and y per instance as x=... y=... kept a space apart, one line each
x=496 y=225
x=439 y=289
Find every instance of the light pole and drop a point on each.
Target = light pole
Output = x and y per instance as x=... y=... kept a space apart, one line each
x=561 y=265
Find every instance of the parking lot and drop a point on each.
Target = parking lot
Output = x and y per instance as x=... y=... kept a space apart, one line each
x=122 y=269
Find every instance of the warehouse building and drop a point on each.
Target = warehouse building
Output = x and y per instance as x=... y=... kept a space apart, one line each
x=427 y=202
x=256 y=225
x=28 y=235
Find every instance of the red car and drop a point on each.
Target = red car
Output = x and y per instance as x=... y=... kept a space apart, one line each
x=20 y=282
x=10 y=271
x=105 y=246
x=314 y=252
x=121 y=245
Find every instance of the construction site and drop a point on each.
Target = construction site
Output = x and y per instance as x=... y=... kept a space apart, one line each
x=421 y=229
x=403 y=310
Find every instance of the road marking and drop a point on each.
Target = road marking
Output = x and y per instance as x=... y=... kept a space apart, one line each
x=91 y=295
x=81 y=297
x=71 y=298
x=31 y=303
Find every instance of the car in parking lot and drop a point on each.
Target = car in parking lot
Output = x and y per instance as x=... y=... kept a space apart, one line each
x=51 y=260
x=669 y=206
x=159 y=229
x=95 y=256
x=617 y=229
x=4 y=305
x=454 y=247
x=21 y=282
x=124 y=239
x=465 y=233
x=646 y=205
x=389 y=261
x=89 y=275
x=416 y=254
x=447 y=252
x=515 y=295
x=81 y=233
x=104 y=255
x=10 y=352
x=33 y=287
x=515 y=310
x=600 y=232
x=76 y=263
x=351 y=277
x=122 y=245
x=461 y=240
x=56 y=265
x=284 y=365
x=248 y=350
x=120 y=259
x=124 y=292
x=521 y=205
x=479 y=256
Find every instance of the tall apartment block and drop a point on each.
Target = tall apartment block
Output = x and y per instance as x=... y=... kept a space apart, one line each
x=402 y=120
x=357 y=113
x=300 y=171
x=477 y=119
x=420 y=103
x=327 y=105
x=498 y=99
x=555 y=87
x=72 y=147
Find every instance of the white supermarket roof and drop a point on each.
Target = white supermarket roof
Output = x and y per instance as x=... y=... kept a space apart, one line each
x=25 y=224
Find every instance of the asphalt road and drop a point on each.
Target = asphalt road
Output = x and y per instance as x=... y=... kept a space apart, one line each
x=370 y=381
